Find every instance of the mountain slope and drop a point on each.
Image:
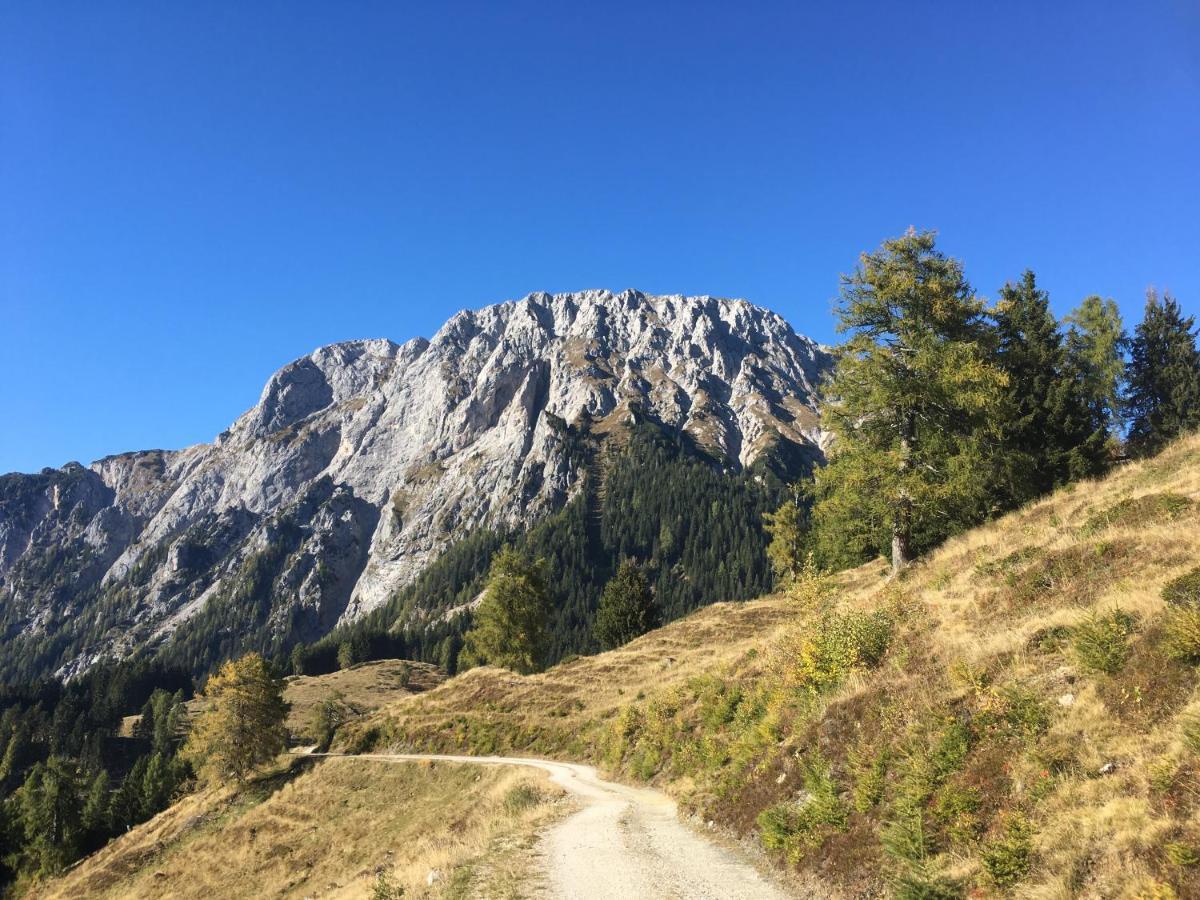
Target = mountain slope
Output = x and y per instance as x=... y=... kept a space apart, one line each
x=1012 y=716
x=362 y=462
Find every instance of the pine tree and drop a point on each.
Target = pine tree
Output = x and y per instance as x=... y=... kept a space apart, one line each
x=786 y=550
x=627 y=609
x=1163 y=376
x=511 y=623
x=915 y=399
x=1049 y=435
x=1096 y=358
x=242 y=723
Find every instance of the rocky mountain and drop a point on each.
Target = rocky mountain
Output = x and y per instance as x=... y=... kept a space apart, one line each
x=364 y=461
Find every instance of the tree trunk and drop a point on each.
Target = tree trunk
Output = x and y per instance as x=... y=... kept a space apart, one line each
x=901 y=537
x=902 y=520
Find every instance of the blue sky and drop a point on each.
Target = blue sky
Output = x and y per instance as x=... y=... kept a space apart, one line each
x=193 y=194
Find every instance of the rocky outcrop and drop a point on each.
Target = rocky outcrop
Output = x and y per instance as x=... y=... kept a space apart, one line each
x=415 y=444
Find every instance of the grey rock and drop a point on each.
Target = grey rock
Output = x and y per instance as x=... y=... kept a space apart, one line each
x=383 y=454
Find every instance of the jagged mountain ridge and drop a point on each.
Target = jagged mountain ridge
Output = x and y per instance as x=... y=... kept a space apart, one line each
x=363 y=460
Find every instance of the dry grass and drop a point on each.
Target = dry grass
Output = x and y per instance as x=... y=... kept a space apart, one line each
x=364 y=687
x=328 y=830
x=490 y=710
x=983 y=637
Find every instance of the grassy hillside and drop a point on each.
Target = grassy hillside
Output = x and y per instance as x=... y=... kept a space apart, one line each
x=1009 y=717
x=363 y=688
x=330 y=829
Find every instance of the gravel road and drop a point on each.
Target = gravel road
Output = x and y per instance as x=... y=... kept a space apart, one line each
x=626 y=843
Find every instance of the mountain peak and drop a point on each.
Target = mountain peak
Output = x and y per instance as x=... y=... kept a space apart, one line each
x=372 y=457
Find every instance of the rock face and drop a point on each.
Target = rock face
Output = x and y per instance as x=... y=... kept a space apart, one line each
x=364 y=460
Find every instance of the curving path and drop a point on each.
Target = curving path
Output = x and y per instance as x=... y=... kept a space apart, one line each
x=624 y=843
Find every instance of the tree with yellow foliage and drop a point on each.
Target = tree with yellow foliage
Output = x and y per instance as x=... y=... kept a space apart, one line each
x=242 y=725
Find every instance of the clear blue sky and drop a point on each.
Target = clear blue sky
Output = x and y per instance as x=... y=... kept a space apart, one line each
x=193 y=194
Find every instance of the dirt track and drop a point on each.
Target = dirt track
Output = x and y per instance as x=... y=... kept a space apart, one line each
x=625 y=843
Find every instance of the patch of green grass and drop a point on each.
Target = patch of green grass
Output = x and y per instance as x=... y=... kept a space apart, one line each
x=1189 y=730
x=1074 y=575
x=520 y=798
x=1183 y=591
x=1050 y=640
x=1007 y=565
x=1022 y=711
x=1134 y=511
x=1179 y=854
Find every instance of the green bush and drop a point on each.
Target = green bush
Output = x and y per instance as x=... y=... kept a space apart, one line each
x=841 y=644
x=1184 y=590
x=904 y=838
x=1181 y=630
x=957 y=811
x=795 y=827
x=950 y=748
x=918 y=885
x=1101 y=642
x=1024 y=711
x=1009 y=857
x=868 y=766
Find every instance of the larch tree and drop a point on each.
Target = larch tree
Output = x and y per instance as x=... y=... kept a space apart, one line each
x=241 y=727
x=1163 y=376
x=512 y=621
x=1096 y=356
x=786 y=526
x=627 y=609
x=914 y=405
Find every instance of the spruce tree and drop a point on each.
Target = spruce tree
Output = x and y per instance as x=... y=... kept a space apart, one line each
x=914 y=402
x=1163 y=376
x=51 y=814
x=96 y=817
x=1049 y=435
x=627 y=609
x=512 y=622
